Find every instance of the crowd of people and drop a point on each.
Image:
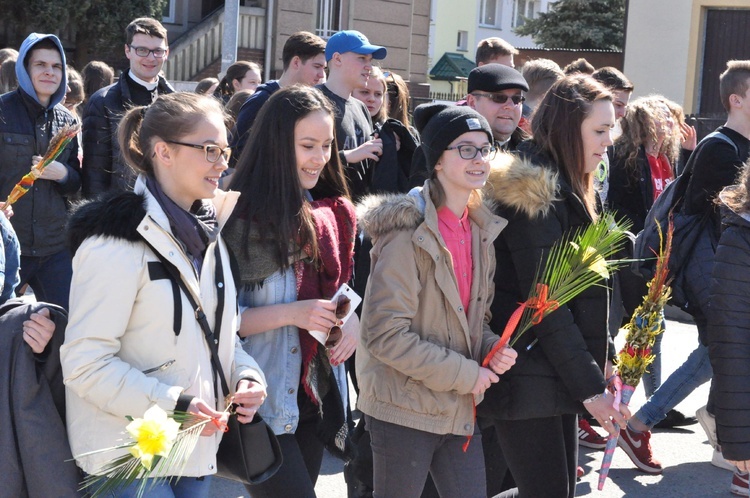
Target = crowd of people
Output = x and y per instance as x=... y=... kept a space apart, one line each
x=265 y=198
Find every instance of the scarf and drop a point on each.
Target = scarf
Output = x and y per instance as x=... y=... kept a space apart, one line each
x=256 y=259
x=195 y=229
x=335 y=230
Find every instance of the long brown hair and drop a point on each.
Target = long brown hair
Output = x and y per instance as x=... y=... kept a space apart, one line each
x=556 y=127
x=272 y=199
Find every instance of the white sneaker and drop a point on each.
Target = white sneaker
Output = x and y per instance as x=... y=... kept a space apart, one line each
x=718 y=460
x=708 y=423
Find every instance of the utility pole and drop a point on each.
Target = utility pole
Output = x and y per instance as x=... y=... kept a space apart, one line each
x=229 y=35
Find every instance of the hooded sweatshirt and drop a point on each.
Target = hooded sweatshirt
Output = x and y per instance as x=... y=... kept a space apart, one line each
x=24 y=81
x=26 y=127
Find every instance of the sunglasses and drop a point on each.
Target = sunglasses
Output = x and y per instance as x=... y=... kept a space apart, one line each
x=343 y=305
x=501 y=98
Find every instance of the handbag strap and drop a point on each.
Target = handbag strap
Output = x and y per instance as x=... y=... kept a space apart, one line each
x=211 y=339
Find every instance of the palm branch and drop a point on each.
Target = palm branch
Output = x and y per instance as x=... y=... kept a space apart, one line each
x=124 y=470
x=576 y=261
x=648 y=319
x=58 y=143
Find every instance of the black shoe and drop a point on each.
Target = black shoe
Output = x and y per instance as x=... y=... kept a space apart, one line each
x=675 y=419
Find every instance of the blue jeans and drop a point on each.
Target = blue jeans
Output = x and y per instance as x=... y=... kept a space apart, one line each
x=10 y=253
x=652 y=378
x=185 y=487
x=48 y=276
x=694 y=372
x=402 y=457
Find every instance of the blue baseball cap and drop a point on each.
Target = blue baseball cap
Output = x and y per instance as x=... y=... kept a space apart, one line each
x=353 y=41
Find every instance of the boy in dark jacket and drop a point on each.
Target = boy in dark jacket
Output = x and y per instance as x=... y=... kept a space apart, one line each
x=29 y=118
x=141 y=84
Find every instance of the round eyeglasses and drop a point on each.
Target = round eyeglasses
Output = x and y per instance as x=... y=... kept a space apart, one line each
x=470 y=151
x=159 y=53
x=213 y=152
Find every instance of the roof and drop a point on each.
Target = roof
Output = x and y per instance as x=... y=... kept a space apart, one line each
x=451 y=67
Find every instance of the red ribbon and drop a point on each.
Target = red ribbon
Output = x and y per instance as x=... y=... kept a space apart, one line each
x=220 y=425
x=542 y=305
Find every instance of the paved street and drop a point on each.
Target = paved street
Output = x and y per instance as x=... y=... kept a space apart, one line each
x=684 y=453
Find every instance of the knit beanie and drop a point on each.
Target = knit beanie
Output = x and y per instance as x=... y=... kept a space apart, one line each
x=441 y=124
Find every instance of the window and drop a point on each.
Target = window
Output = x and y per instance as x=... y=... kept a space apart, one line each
x=488 y=13
x=168 y=15
x=462 y=42
x=328 y=15
x=521 y=9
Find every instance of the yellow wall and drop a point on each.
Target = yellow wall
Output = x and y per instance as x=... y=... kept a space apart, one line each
x=450 y=17
x=664 y=44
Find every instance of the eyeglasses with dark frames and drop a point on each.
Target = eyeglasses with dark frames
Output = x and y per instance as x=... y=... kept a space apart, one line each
x=213 y=152
x=501 y=98
x=159 y=53
x=470 y=151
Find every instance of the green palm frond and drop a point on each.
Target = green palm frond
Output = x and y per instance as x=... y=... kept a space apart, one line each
x=577 y=261
x=124 y=470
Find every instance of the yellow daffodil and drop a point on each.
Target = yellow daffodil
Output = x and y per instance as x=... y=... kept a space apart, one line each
x=154 y=435
x=597 y=264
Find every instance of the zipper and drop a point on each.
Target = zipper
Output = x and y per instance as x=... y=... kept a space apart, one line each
x=160 y=368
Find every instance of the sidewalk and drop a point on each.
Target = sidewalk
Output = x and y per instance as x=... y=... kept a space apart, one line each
x=684 y=452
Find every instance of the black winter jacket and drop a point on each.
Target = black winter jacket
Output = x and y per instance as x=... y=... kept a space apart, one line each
x=729 y=335
x=566 y=365
x=36 y=461
x=103 y=167
x=40 y=215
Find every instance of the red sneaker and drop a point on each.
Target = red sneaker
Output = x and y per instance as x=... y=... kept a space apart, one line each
x=740 y=484
x=588 y=437
x=638 y=448
x=580 y=472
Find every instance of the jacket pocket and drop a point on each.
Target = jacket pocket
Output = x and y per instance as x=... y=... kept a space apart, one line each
x=159 y=368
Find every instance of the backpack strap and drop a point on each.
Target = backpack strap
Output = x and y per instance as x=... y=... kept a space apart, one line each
x=722 y=136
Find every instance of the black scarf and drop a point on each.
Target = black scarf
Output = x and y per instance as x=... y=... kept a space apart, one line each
x=195 y=229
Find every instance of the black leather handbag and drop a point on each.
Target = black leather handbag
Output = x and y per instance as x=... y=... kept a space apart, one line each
x=248 y=453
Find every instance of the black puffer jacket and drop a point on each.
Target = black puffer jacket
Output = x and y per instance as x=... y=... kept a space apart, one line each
x=729 y=335
x=103 y=167
x=40 y=215
x=566 y=365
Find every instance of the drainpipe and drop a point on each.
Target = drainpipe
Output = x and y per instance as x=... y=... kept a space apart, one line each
x=268 y=56
x=229 y=36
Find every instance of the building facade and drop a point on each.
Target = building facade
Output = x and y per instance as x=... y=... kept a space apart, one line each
x=682 y=58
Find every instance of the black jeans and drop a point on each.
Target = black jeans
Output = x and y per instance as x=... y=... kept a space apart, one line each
x=542 y=454
x=48 y=276
x=303 y=456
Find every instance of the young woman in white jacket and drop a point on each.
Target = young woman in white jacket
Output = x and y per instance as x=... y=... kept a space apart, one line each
x=133 y=340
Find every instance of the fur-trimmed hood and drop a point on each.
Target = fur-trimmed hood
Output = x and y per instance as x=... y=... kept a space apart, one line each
x=115 y=214
x=522 y=184
x=380 y=214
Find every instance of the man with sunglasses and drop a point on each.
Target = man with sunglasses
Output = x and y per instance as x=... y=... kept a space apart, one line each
x=147 y=49
x=496 y=92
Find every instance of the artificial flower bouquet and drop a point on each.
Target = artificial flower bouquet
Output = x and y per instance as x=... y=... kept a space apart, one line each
x=635 y=356
x=58 y=143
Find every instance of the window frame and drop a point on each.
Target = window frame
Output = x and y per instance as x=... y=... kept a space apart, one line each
x=171 y=9
x=483 y=14
x=327 y=18
x=462 y=41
